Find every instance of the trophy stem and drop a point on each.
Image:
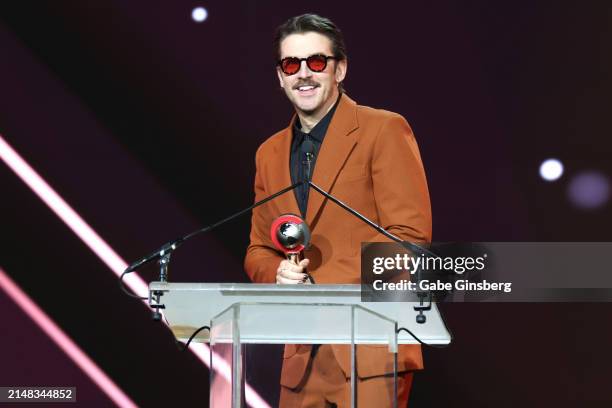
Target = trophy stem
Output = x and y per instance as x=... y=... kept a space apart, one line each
x=294 y=258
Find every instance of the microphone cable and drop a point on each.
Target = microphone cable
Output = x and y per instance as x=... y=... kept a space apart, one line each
x=125 y=290
x=195 y=333
x=414 y=336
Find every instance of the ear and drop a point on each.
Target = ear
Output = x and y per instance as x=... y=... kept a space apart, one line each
x=341 y=67
x=280 y=74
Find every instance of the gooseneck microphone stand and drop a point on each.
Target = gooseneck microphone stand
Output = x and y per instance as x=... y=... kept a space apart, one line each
x=165 y=251
x=163 y=254
x=172 y=245
x=422 y=295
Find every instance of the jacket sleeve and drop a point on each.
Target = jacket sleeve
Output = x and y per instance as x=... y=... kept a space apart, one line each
x=262 y=259
x=399 y=183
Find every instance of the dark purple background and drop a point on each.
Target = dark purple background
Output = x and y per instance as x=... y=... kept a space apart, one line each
x=147 y=124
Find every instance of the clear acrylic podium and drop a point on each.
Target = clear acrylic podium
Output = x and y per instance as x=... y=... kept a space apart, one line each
x=250 y=314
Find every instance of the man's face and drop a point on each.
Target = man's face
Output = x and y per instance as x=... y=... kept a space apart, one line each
x=311 y=92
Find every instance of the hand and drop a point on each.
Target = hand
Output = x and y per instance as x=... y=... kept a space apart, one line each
x=290 y=273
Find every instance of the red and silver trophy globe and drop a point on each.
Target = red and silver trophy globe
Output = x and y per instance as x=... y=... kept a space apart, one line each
x=291 y=235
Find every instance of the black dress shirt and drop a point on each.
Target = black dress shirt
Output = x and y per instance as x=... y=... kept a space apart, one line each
x=297 y=158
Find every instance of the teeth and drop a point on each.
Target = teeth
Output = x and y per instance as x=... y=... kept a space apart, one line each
x=306 y=88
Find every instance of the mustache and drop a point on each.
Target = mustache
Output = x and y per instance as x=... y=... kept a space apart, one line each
x=306 y=83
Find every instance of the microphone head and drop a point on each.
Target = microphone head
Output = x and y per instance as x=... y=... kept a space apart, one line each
x=290 y=234
x=308 y=146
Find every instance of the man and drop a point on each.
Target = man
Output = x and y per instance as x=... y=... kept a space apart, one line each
x=367 y=158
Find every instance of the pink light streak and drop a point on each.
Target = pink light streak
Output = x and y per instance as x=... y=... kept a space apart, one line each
x=64 y=342
x=92 y=240
x=57 y=204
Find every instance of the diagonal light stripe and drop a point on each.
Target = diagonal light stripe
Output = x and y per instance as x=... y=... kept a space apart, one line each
x=57 y=204
x=64 y=342
x=90 y=238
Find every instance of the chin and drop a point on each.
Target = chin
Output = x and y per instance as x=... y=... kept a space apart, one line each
x=309 y=108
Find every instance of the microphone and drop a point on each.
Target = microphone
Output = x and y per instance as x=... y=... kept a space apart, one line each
x=167 y=249
x=163 y=250
x=308 y=148
x=162 y=255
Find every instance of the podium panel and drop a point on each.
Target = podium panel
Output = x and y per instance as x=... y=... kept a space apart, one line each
x=335 y=324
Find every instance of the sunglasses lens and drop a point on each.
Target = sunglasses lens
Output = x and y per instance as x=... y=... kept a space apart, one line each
x=316 y=63
x=290 y=65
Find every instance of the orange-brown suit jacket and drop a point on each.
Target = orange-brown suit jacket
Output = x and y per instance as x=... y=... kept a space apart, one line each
x=369 y=159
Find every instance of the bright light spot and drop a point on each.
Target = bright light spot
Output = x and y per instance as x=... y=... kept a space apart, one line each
x=551 y=169
x=199 y=14
x=589 y=190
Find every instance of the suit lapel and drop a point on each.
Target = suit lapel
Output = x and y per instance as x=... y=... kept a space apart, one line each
x=336 y=147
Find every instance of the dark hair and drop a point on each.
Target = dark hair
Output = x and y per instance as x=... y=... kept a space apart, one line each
x=311 y=23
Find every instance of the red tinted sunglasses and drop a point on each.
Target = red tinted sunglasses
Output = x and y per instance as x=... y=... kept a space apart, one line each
x=315 y=63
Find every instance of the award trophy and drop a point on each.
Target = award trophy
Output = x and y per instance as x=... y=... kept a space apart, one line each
x=291 y=235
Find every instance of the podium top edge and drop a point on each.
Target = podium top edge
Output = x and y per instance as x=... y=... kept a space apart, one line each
x=255 y=287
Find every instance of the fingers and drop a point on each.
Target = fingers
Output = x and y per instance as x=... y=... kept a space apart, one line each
x=285 y=281
x=290 y=266
x=290 y=273
x=287 y=274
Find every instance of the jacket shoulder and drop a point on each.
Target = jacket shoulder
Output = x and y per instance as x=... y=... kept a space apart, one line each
x=373 y=121
x=270 y=143
x=374 y=114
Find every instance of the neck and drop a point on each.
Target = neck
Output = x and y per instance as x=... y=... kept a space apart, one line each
x=309 y=120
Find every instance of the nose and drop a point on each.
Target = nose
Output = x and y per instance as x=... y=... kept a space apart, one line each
x=304 y=72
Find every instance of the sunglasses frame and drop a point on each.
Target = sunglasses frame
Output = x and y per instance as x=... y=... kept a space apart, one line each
x=325 y=57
